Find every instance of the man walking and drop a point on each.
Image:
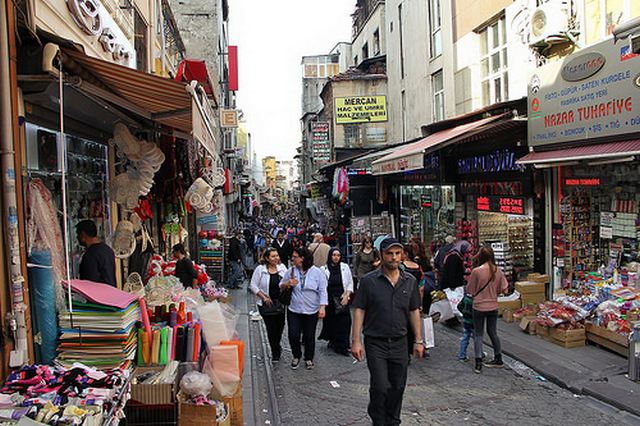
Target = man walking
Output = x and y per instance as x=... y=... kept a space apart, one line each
x=235 y=261
x=387 y=303
x=319 y=250
x=283 y=247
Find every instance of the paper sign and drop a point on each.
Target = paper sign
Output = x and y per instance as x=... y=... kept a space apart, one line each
x=606 y=218
x=606 y=232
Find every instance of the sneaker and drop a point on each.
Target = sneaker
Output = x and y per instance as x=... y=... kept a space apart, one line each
x=478 y=368
x=309 y=364
x=295 y=363
x=496 y=363
x=463 y=359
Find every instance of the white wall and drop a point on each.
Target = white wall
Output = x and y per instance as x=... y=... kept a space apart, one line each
x=376 y=22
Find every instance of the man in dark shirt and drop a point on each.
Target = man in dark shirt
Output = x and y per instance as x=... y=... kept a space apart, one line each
x=185 y=271
x=283 y=247
x=387 y=303
x=98 y=263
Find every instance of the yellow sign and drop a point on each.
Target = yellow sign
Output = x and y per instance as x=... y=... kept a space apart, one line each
x=361 y=109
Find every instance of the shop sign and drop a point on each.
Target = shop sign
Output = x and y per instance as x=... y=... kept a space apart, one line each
x=96 y=22
x=351 y=171
x=361 y=109
x=228 y=118
x=396 y=165
x=426 y=200
x=582 y=182
x=588 y=95
x=320 y=143
x=503 y=160
x=508 y=205
x=202 y=132
x=492 y=188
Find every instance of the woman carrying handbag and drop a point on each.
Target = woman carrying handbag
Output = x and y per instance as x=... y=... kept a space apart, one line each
x=336 y=327
x=265 y=284
x=484 y=284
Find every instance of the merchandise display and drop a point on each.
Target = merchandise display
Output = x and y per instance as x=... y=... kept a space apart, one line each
x=65 y=396
x=428 y=212
x=99 y=328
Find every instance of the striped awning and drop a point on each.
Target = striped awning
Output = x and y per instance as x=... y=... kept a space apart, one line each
x=607 y=151
x=159 y=99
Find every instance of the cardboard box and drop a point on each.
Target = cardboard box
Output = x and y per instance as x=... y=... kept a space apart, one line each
x=507 y=316
x=543 y=331
x=568 y=338
x=533 y=298
x=513 y=305
x=528 y=287
x=528 y=325
x=152 y=394
x=195 y=415
x=234 y=404
x=539 y=278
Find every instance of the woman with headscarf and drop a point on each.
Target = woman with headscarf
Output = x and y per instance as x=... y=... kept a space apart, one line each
x=336 y=327
x=452 y=273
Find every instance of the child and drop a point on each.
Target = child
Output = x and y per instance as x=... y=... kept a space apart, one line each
x=466 y=309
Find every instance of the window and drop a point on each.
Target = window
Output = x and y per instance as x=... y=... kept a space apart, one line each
x=437 y=86
x=602 y=16
x=435 y=20
x=493 y=63
x=351 y=135
x=376 y=42
x=365 y=51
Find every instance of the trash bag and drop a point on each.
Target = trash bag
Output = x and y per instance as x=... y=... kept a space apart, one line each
x=195 y=383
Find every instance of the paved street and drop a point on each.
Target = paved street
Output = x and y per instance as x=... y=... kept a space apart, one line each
x=440 y=391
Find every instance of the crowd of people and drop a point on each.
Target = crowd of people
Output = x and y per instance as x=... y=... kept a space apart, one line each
x=300 y=276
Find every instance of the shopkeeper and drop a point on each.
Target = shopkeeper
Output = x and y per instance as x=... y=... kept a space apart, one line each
x=98 y=262
x=185 y=271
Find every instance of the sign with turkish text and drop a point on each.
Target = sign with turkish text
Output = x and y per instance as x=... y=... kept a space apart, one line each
x=320 y=143
x=228 y=118
x=411 y=162
x=507 y=205
x=361 y=109
x=591 y=94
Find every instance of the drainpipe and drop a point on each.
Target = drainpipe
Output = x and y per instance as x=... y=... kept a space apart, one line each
x=10 y=214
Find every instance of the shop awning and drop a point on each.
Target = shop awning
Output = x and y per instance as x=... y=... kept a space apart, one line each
x=605 y=152
x=411 y=156
x=159 y=99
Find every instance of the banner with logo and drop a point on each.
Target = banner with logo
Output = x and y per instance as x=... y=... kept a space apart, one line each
x=591 y=94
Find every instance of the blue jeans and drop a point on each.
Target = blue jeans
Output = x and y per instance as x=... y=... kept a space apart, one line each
x=235 y=277
x=467 y=334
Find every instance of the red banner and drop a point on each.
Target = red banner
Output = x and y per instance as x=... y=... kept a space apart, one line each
x=233 y=68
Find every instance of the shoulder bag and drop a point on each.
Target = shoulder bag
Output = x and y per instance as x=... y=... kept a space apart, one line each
x=467 y=309
x=285 y=293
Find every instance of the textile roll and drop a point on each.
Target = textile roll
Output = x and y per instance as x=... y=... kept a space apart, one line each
x=43 y=296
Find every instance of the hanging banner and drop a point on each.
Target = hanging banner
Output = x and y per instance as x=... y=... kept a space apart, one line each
x=361 y=109
x=320 y=143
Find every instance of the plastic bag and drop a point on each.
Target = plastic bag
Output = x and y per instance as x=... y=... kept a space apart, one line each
x=218 y=322
x=443 y=307
x=455 y=296
x=428 y=333
x=223 y=369
x=195 y=383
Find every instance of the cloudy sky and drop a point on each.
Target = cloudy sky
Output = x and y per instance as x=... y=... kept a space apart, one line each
x=272 y=36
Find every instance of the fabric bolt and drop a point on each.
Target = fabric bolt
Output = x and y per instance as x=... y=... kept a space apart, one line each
x=387 y=360
x=311 y=291
x=479 y=319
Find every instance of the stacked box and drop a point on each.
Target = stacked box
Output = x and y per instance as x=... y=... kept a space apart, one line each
x=568 y=338
x=531 y=292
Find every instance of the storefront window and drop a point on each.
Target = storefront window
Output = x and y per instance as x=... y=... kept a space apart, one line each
x=427 y=212
x=86 y=165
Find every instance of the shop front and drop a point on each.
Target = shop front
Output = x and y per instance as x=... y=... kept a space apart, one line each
x=584 y=135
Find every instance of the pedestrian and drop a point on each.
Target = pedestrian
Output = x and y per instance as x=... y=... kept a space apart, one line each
x=452 y=273
x=465 y=307
x=419 y=251
x=336 y=325
x=283 y=246
x=319 y=250
x=98 y=262
x=409 y=266
x=485 y=283
x=387 y=304
x=367 y=259
x=185 y=270
x=308 y=286
x=235 y=261
x=265 y=284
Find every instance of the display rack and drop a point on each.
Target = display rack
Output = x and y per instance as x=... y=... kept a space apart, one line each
x=520 y=230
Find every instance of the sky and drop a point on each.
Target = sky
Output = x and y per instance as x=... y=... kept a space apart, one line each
x=272 y=36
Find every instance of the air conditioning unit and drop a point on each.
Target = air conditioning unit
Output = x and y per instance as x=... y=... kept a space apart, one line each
x=549 y=24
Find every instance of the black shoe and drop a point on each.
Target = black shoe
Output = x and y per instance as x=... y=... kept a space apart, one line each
x=478 y=368
x=295 y=363
x=496 y=363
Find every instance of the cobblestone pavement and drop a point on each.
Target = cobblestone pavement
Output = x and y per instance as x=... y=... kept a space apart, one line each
x=440 y=391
